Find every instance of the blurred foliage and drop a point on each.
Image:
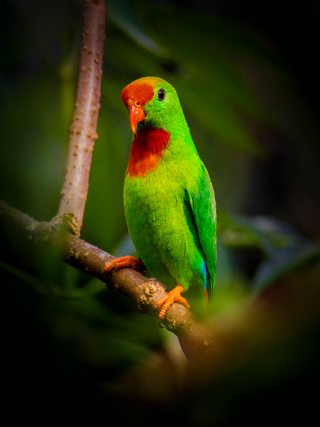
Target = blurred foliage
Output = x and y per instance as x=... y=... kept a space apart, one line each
x=250 y=104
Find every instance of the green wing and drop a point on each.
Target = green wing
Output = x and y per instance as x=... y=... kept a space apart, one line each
x=203 y=208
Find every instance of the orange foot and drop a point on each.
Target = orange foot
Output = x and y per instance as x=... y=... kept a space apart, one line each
x=125 y=261
x=172 y=297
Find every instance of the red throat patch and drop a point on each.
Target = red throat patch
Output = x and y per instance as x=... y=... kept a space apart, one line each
x=146 y=151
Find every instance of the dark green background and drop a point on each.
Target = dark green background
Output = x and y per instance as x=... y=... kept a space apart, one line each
x=247 y=77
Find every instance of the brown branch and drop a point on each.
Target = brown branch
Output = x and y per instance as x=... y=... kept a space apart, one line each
x=82 y=132
x=144 y=292
x=217 y=346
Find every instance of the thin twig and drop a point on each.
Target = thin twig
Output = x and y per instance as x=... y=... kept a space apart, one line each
x=83 y=129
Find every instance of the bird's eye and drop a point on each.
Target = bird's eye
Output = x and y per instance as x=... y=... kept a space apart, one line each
x=161 y=94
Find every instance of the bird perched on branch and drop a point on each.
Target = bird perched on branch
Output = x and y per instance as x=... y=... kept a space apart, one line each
x=168 y=196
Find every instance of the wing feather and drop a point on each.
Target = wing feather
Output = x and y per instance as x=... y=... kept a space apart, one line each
x=203 y=207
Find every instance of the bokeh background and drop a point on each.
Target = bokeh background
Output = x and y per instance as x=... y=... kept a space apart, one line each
x=247 y=77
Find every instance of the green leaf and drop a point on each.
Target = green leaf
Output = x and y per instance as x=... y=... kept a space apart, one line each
x=284 y=248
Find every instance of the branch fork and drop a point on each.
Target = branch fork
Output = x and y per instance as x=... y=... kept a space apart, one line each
x=64 y=229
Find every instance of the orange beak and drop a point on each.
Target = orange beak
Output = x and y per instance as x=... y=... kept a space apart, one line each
x=136 y=115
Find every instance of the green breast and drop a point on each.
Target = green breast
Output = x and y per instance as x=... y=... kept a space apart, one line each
x=160 y=222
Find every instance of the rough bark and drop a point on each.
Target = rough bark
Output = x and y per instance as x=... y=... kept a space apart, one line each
x=82 y=132
x=145 y=292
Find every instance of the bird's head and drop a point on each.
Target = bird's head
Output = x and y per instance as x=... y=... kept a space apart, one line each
x=152 y=102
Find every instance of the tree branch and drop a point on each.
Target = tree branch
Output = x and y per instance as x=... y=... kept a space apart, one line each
x=224 y=342
x=82 y=132
x=144 y=292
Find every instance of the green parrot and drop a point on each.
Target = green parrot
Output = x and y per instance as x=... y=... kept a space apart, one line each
x=168 y=196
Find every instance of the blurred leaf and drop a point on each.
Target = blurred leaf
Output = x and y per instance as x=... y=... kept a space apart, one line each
x=33 y=153
x=216 y=115
x=285 y=250
x=124 y=14
x=211 y=84
x=27 y=278
x=238 y=231
x=91 y=288
x=283 y=262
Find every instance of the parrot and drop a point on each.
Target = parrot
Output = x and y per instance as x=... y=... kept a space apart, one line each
x=169 y=201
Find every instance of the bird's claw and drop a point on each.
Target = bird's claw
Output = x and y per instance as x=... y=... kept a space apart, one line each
x=124 y=262
x=168 y=300
x=111 y=268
